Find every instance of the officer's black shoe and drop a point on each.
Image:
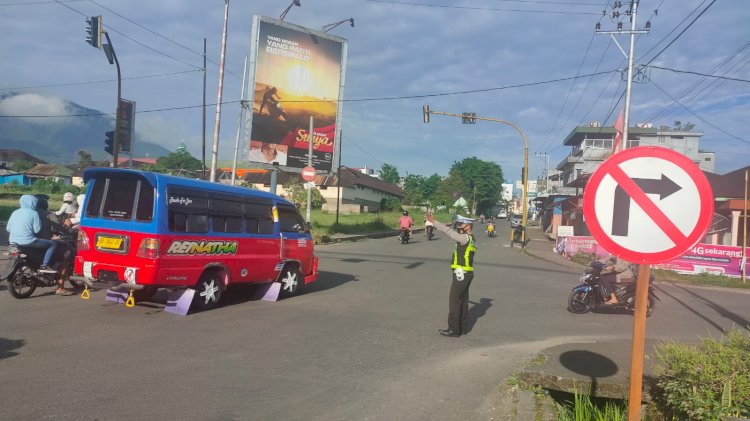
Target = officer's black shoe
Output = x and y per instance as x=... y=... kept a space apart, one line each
x=449 y=333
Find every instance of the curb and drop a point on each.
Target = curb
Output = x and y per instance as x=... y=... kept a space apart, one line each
x=357 y=237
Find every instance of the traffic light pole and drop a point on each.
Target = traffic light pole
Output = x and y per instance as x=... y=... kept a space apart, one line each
x=116 y=145
x=427 y=112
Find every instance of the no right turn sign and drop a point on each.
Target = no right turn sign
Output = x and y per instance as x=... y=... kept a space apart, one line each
x=648 y=204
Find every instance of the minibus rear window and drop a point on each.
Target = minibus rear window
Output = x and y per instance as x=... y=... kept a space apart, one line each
x=116 y=198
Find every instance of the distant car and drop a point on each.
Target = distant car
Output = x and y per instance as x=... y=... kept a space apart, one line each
x=502 y=214
x=515 y=221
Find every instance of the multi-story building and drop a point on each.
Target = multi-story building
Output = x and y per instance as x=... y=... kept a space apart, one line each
x=591 y=145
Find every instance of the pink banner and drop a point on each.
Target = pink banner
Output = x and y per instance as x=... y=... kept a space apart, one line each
x=703 y=258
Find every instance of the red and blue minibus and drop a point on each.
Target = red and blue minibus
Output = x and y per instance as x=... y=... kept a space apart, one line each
x=143 y=231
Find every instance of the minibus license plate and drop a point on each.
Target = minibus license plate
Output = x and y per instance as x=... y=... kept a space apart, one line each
x=109 y=243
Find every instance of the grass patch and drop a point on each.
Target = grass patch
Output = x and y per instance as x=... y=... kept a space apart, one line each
x=324 y=223
x=585 y=408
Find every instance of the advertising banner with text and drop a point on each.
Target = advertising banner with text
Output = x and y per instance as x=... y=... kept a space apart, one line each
x=703 y=258
x=298 y=73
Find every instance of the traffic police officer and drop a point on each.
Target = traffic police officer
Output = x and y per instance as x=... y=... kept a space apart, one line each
x=463 y=273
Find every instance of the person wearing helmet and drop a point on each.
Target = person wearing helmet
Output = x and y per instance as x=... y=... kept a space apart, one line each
x=463 y=273
x=69 y=206
x=405 y=223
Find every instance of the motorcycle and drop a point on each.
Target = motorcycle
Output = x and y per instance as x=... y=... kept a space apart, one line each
x=404 y=236
x=429 y=231
x=21 y=269
x=590 y=293
x=490 y=229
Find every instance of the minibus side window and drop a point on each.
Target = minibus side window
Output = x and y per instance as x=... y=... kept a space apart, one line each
x=290 y=220
x=188 y=210
x=95 y=197
x=226 y=215
x=258 y=216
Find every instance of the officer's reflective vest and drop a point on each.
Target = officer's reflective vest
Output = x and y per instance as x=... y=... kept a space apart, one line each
x=463 y=255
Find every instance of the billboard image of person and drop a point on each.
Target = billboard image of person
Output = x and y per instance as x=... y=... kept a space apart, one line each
x=298 y=74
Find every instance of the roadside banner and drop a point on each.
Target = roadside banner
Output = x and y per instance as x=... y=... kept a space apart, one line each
x=702 y=258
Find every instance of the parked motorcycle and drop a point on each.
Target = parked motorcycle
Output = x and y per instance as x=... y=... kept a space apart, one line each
x=404 y=236
x=23 y=263
x=590 y=293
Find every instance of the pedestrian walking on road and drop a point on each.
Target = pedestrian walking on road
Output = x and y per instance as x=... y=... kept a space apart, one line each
x=463 y=273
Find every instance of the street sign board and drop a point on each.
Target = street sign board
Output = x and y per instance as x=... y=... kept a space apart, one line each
x=648 y=204
x=309 y=185
x=469 y=118
x=308 y=173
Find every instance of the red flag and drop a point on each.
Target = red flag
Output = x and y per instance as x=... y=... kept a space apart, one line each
x=617 y=147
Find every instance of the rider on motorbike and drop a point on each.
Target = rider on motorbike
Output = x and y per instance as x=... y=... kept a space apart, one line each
x=24 y=226
x=405 y=224
x=614 y=270
x=52 y=229
x=428 y=225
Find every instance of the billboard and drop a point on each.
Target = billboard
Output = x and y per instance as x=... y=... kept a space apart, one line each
x=297 y=73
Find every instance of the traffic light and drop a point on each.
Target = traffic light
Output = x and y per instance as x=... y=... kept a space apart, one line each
x=109 y=142
x=94 y=31
x=426 y=113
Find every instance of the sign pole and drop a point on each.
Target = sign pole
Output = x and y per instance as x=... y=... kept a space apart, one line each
x=639 y=338
x=744 y=235
x=309 y=164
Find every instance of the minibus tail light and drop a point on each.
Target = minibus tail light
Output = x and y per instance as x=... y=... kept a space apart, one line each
x=82 y=243
x=149 y=248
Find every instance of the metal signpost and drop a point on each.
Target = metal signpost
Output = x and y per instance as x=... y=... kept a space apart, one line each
x=646 y=205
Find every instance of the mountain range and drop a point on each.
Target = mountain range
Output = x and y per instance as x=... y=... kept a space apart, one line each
x=57 y=137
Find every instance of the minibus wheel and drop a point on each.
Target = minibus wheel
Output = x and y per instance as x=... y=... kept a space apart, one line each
x=291 y=281
x=208 y=290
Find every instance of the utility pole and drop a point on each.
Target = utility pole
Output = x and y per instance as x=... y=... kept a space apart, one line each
x=217 y=124
x=632 y=32
x=203 y=108
x=545 y=156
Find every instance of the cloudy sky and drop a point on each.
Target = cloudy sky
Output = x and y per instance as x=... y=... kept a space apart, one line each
x=538 y=64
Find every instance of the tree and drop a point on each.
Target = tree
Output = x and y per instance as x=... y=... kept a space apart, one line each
x=178 y=161
x=413 y=189
x=389 y=173
x=298 y=194
x=481 y=182
x=22 y=165
x=84 y=159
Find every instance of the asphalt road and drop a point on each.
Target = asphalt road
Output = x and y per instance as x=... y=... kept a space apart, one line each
x=360 y=344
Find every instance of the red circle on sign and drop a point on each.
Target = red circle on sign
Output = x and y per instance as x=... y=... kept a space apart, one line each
x=689 y=241
x=308 y=173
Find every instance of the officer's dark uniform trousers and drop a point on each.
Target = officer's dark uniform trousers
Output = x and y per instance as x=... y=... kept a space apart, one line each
x=458 y=299
x=458 y=303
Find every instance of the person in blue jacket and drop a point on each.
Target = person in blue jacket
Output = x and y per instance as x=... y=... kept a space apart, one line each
x=24 y=225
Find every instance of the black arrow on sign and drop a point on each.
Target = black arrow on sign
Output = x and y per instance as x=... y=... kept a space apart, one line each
x=621 y=215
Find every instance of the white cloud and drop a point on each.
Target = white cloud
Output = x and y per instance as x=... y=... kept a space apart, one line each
x=35 y=105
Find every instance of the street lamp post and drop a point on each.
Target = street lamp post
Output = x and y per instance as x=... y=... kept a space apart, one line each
x=426 y=114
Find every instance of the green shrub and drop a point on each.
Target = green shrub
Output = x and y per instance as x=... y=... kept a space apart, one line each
x=583 y=408
x=707 y=382
x=584 y=258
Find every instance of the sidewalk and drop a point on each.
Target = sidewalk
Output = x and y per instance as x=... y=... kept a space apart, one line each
x=539 y=246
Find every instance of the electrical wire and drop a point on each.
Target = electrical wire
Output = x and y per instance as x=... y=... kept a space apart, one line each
x=97 y=81
x=360 y=148
x=132 y=39
x=403 y=3
x=700 y=74
x=681 y=32
x=697 y=116
x=97 y=114
x=161 y=36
